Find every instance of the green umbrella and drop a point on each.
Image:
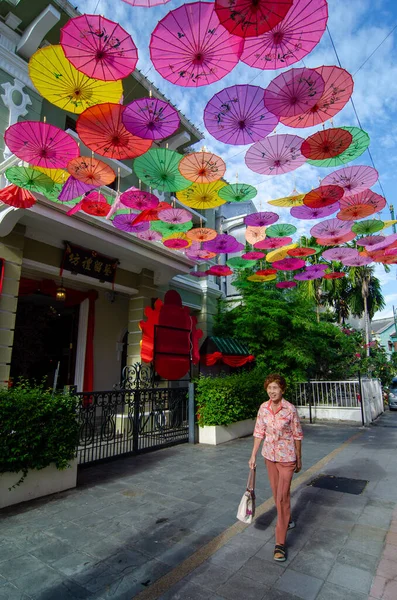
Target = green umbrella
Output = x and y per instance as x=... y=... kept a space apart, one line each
x=240 y=263
x=168 y=228
x=237 y=192
x=30 y=179
x=359 y=144
x=280 y=230
x=367 y=227
x=54 y=193
x=158 y=168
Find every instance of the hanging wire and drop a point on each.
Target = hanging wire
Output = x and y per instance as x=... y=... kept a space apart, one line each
x=96 y=8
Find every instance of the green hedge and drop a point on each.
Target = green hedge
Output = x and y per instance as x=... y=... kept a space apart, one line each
x=36 y=428
x=225 y=400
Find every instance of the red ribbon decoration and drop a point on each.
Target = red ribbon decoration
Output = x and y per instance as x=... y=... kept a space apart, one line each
x=228 y=359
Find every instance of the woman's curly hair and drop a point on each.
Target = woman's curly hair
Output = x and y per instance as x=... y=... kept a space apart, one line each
x=276 y=378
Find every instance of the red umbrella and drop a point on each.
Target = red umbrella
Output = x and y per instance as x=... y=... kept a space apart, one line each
x=326 y=143
x=353 y=179
x=250 y=18
x=293 y=92
x=96 y=207
x=334 y=275
x=101 y=128
x=272 y=243
x=286 y=284
x=337 y=92
x=220 y=271
x=151 y=214
x=322 y=196
x=289 y=264
x=301 y=252
x=17 y=197
x=266 y=272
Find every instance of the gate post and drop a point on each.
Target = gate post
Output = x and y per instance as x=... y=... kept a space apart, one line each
x=192 y=415
x=360 y=387
x=137 y=420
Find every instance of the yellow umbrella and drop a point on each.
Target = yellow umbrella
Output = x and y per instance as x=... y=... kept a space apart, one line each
x=261 y=277
x=294 y=200
x=202 y=195
x=60 y=83
x=57 y=175
x=387 y=224
x=279 y=253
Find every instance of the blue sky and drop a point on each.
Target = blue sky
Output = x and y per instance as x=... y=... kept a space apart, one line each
x=357 y=28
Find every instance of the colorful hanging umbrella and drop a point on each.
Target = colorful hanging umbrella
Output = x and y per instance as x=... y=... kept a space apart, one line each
x=261 y=278
x=73 y=188
x=151 y=214
x=199 y=255
x=176 y=241
x=272 y=243
x=334 y=275
x=339 y=254
x=59 y=176
x=145 y=3
x=91 y=171
x=150 y=236
x=98 y=207
x=266 y=272
x=291 y=40
x=368 y=227
x=358 y=261
x=337 y=92
x=289 y=264
x=294 y=200
x=331 y=228
x=253 y=255
x=202 y=167
x=138 y=199
x=370 y=241
x=202 y=195
x=189 y=47
x=359 y=143
x=223 y=244
x=301 y=252
x=60 y=83
x=202 y=234
x=309 y=275
x=174 y=215
x=293 y=92
x=101 y=129
x=306 y=212
x=385 y=243
x=326 y=144
x=255 y=234
x=237 y=115
x=286 y=284
x=335 y=240
x=261 y=219
x=54 y=193
x=17 y=197
x=41 y=144
x=275 y=155
x=168 y=229
x=280 y=230
x=197 y=274
x=240 y=263
x=30 y=179
x=238 y=192
x=325 y=195
x=220 y=271
x=389 y=223
x=126 y=223
x=318 y=267
x=99 y=48
x=151 y=118
x=250 y=18
x=367 y=197
x=158 y=168
x=355 y=212
x=280 y=253
x=353 y=179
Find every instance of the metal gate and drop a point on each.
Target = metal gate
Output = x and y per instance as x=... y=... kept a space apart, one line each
x=138 y=417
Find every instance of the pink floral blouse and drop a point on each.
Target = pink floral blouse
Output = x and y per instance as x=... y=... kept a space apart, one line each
x=279 y=430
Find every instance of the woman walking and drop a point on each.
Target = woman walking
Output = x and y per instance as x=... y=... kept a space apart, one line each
x=278 y=424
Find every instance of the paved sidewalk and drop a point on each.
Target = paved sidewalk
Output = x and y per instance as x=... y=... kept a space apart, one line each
x=134 y=521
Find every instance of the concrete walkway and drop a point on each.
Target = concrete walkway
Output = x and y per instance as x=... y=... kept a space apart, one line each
x=162 y=525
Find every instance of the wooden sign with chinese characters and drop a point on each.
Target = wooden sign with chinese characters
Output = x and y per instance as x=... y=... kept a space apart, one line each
x=89 y=262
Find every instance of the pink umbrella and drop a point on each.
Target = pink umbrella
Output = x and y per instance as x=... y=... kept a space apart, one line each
x=358 y=261
x=99 y=48
x=367 y=197
x=223 y=244
x=318 y=268
x=340 y=254
x=199 y=255
x=286 y=284
x=174 y=215
x=150 y=236
x=308 y=276
x=73 y=188
x=331 y=228
x=138 y=199
x=306 y=212
x=41 y=144
x=237 y=115
x=335 y=240
x=387 y=241
x=253 y=255
x=176 y=243
x=126 y=223
x=151 y=118
x=288 y=264
x=291 y=40
x=189 y=46
x=145 y=3
x=250 y=18
x=293 y=92
x=370 y=241
x=220 y=271
x=352 y=179
x=198 y=274
x=261 y=219
x=273 y=243
x=275 y=155
x=337 y=92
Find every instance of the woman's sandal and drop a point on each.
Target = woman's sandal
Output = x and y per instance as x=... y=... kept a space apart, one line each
x=280 y=553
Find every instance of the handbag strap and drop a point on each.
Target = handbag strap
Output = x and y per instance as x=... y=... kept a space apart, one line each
x=251 y=480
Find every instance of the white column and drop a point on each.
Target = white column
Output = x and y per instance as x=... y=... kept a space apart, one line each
x=81 y=344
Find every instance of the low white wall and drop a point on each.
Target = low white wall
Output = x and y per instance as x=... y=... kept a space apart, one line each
x=331 y=414
x=36 y=484
x=219 y=434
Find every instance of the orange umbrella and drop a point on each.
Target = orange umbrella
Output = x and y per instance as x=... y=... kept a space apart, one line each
x=354 y=212
x=255 y=234
x=202 y=167
x=301 y=252
x=91 y=171
x=202 y=234
x=101 y=128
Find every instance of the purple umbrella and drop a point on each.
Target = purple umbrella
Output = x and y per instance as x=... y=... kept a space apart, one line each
x=318 y=268
x=309 y=275
x=73 y=188
x=198 y=273
x=237 y=115
x=276 y=155
x=352 y=179
x=150 y=118
x=272 y=243
x=288 y=264
x=305 y=212
x=387 y=241
x=331 y=228
x=223 y=244
x=261 y=219
x=370 y=241
x=340 y=253
x=294 y=92
x=125 y=223
x=358 y=261
x=150 y=235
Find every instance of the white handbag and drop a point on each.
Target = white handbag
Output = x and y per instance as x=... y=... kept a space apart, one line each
x=246 y=508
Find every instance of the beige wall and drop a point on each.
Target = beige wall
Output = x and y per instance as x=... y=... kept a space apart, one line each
x=111 y=320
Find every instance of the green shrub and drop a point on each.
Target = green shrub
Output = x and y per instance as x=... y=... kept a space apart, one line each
x=36 y=428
